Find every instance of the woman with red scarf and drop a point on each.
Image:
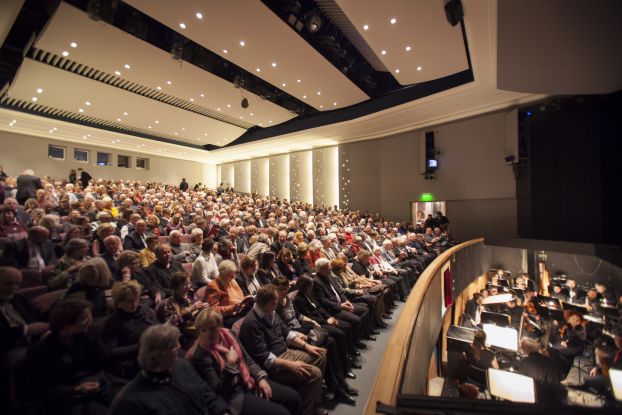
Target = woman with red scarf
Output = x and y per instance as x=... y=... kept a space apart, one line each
x=220 y=359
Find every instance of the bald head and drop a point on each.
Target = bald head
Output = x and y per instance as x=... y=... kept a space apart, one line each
x=10 y=281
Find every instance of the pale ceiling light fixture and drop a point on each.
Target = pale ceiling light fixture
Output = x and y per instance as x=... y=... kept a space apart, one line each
x=126 y=66
x=117 y=73
x=35 y=99
x=242 y=43
x=65 y=53
x=408 y=48
x=73 y=44
x=125 y=113
x=365 y=27
x=397 y=71
x=182 y=25
x=39 y=90
x=80 y=110
x=199 y=15
x=393 y=20
x=274 y=64
x=225 y=51
x=169 y=82
x=384 y=52
x=419 y=68
x=87 y=103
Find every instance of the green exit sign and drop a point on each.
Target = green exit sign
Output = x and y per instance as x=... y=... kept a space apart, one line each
x=426 y=197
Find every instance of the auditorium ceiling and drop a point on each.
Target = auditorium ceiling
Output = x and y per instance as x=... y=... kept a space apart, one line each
x=219 y=81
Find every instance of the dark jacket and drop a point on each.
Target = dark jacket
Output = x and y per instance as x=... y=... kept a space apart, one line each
x=111 y=262
x=325 y=296
x=134 y=242
x=13 y=336
x=157 y=272
x=309 y=309
x=260 y=337
x=17 y=254
x=184 y=393
x=27 y=187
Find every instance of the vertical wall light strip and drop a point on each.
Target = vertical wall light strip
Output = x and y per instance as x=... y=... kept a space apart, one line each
x=294 y=177
x=210 y=175
x=305 y=176
x=264 y=177
x=331 y=176
x=285 y=177
x=247 y=175
x=345 y=188
x=218 y=174
x=255 y=179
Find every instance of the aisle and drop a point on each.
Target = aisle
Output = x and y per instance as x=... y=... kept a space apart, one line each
x=370 y=359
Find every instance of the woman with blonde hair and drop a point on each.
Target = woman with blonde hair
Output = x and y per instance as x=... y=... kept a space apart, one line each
x=94 y=279
x=103 y=231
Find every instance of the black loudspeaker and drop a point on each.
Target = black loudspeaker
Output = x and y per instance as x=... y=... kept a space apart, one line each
x=454 y=12
x=431 y=163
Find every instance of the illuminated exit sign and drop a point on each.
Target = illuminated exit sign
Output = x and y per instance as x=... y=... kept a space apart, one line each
x=426 y=197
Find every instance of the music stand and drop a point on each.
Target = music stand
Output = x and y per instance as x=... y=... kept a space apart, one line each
x=615 y=376
x=511 y=386
x=549 y=301
x=497 y=319
x=575 y=307
x=501 y=337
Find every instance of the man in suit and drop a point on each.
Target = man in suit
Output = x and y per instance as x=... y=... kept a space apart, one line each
x=84 y=177
x=471 y=316
x=326 y=248
x=137 y=239
x=240 y=239
x=337 y=305
x=279 y=244
x=283 y=353
x=36 y=251
x=27 y=186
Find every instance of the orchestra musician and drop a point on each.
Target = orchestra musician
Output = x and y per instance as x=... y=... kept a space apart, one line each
x=472 y=311
x=605 y=295
x=573 y=292
x=546 y=372
x=480 y=356
x=572 y=337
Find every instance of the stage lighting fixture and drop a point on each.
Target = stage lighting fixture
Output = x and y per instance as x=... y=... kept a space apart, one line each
x=244 y=103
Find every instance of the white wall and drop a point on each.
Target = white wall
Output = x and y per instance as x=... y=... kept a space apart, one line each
x=21 y=152
x=243 y=176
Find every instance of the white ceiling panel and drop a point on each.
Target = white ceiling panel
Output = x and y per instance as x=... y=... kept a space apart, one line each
x=412 y=38
x=255 y=38
x=109 y=49
x=80 y=95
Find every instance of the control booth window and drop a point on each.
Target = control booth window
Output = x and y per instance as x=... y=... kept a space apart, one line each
x=80 y=155
x=142 y=163
x=123 y=162
x=56 y=152
x=103 y=159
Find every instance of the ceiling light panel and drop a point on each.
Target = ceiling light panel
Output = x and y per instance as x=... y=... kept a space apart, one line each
x=267 y=39
x=109 y=49
x=413 y=34
x=67 y=91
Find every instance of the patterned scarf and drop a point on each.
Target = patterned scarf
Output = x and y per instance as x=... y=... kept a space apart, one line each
x=226 y=340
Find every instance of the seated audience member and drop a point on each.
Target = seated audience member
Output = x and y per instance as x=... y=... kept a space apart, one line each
x=10 y=227
x=195 y=245
x=94 y=279
x=226 y=251
x=66 y=270
x=204 y=268
x=265 y=272
x=546 y=373
x=36 y=251
x=285 y=264
x=122 y=329
x=20 y=214
x=163 y=268
x=228 y=369
x=18 y=326
x=112 y=245
x=103 y=231
x=180 y=309
x=286 y=357
x=334 y=374
x=246 y=279
x=153 y=226
x=147 y=255
x=166 y=385
x=175 y=224
x=68 y=365
x=225 y=295
x=259 y=247
x=129 y=226
x=130 y=269
x=137 y=239
x=179 y=250
x=301 y=263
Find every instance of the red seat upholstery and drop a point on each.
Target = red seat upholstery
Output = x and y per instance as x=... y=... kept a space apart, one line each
x=186 y=239
x=162 y=239
x=31 y=278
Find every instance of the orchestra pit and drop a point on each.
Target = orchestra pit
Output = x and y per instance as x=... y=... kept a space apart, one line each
x=310 y=207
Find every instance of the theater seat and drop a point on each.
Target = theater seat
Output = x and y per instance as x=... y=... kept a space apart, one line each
x=44 y=303
x=186 y=239
x=31 y=277
x=162 y=239
x=31 y=293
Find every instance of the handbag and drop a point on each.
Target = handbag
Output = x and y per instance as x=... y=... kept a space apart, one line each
x=317 y=336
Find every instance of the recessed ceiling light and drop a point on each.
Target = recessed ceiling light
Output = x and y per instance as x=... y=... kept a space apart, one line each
x=39 y=90
x=365 y=27
x=84 y=136
x=182 y=25
x=117 y=73
x=202 y=95
x=408 y=48
x=169 y=82
x=125 y=113
x=205 y=134
x=34 y=99
x=393 y=20
x=334 y=103
x=384 y=52
x=199 y=15
x=149 y=127
x=175 y=133
x=274 y=64
x=319 y=93
x=260 y=124
x=284 y=84
x=73 y=44
x=321 y=106
x=419 y=68
x=191 y=99
x=270 y=121
x=241 y=117
x=217 y=109
x=118 y=119
x=159 y=88
x=298 y=80
x=65 y=53
x=258 y=69
x=88 y=135
x=228 y=105
x=157 y=122
x=55 y=128
x=304 y=96
x=183 y=128
x=242 y=43
x=127 y=66
x=52 y=131
x=87 y=103
x=225 y=51
x=218 y=142
x=252 y=114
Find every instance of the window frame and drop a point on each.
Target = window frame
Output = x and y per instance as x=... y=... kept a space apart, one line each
x=88 y=155
x=129 y=161
x=64 y=149
x=108 y=163
x=146 y=160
